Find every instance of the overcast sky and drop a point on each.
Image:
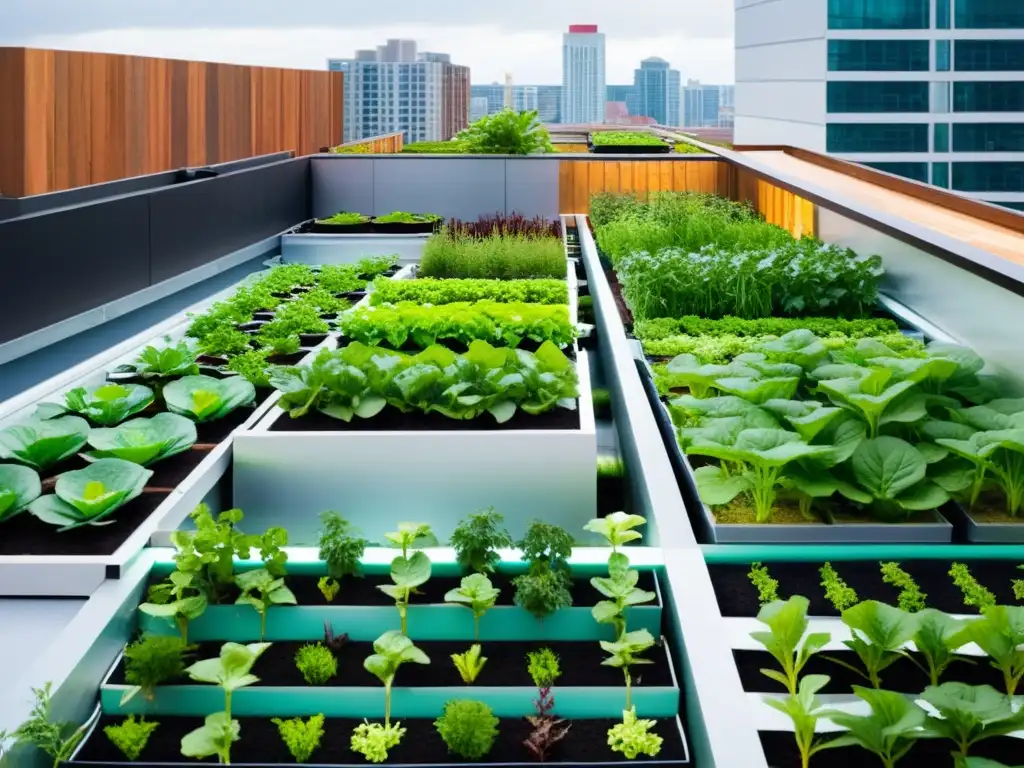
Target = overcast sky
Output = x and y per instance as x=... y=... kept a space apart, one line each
x=491 y=36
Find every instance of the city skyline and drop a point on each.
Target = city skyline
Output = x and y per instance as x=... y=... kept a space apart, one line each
x=491 y=40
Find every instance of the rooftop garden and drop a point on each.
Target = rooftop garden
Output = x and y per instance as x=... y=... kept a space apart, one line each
x=631 y=138
x=503 y=133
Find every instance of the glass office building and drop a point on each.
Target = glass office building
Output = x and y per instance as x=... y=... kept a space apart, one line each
x=928 y=89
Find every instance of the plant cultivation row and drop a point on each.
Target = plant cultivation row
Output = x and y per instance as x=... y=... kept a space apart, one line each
x=425 y=658
x=910 y=663
x=350 y=223
x=627 y=142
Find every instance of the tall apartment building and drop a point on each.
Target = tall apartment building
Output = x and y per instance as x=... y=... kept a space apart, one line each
x=583 y=75
x=928 y=89
x=395 y=89
x=707 y=106
x=657 y=90
x=546 y=99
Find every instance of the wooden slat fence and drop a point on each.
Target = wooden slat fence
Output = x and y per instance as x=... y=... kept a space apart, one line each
x=387 y=144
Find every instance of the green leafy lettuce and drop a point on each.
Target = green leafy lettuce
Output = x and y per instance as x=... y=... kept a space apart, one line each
x=204 y=398
x=143 y=441
x=89 y=496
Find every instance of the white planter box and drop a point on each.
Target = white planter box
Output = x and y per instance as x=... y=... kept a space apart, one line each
x=315 y=248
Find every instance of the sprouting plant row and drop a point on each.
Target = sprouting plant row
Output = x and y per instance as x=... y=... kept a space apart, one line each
x=451 y=254
x=429 y=290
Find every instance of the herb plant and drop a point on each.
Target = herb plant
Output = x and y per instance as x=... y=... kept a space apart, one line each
x=344 y=218
x=262 y=591
x=19 y=487
x=55 y=739
x=787 y=639
x=89 y=496
x=316 y=663
x=373 y=740
x=620 y=590
x=130 y=736
x=544 y=588
x=878 y=633
x=515 y=257
x=468 y=728
x=477 y=539
x=938 y=638
x=407 y=571
x=507 y=224
x=152 y=660
x=506 y=133
x=804 y=709
x=230 y=670
x=625 y=652
x=543 y=667
x=911 y=598
x=204 y=398
x=767 y=587
x=427 y=290
x=143 y=441
x=889 y=731
x=302 y=737
x=1000 y=634
x=975 y=594
x=617 y=528
x=633 y=736
x=340 y=546
x=42 y=443
x=476 y=593
x=214 y=737
x=469 y=663
x=837 y=591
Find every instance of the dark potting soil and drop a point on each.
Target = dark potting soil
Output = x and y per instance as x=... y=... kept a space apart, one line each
x=27 y=535
x=903 y=676
x=260 y=743
x=293 y=359
x=506 y=665
x=620 y=301
x=780 y=749
x=393 y=420
x=611 y=495
x=738 y=597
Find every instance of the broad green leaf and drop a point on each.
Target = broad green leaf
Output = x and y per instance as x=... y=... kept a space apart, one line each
x=887 y=466
x=717 y=487
x=215 y=737
x=88 y=496
x=800 y=347
x=411 y=572
x=807 y=417
x=42 y=443
x=144 y=441
x=884 y=626
x=19 y=487
x=759 y=391
x=204 y=398
x=108 y=404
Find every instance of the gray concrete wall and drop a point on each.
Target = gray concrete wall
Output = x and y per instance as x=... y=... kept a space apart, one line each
x=463 y=187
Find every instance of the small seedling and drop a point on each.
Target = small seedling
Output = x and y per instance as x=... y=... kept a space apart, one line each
x=837 y=591
x=130 y=736
x=1000 y=634
x=804 y=710
x=787 y=639
x=150 y=661
x=215 y=737
x=544 y=667
x=633 y=737
x=476 y=593
x=975 y=594
x=469 y=663
x=230 y=670
x=1018 y=586
x=302 y=737
x=407 y=572
x=971 y=713
x=878 y=633
x=767 y=587
x=328 y=588
x=468 y=728
x=262 y=591
x=390 y=651
x=58 y=740
x=316 y=663
x=620 y=587
x=477 y=539
x=617 y=528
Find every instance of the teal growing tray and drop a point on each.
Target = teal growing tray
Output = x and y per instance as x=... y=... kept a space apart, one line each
x=197 y=699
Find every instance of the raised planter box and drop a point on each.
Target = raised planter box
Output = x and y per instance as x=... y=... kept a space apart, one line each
x=969 y=529
x=314 y=248
x=627 y=149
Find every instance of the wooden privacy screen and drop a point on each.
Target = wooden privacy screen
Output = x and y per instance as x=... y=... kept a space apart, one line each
x=386 y=144
x=68 y=119
x=579 y=179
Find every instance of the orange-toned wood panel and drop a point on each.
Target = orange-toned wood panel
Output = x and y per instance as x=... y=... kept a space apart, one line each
x=69 y=119
x=579 y=179
x=778 y=206
x=388 y=144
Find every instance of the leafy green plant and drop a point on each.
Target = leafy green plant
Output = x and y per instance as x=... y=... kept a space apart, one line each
x=450 y=254
x=1000 y=634
x=143 y=441
x=452 y=147
x=105 y=405
x=427 y=290
x=468 y=728
x=826 y=327
x=506 y=133
x=56 y=739
x=938 y=638
x=889 y=731
x=620 y=590
x=89 y=496
x=166 y=361
x=970 y=713
x=477 y=539
x=390 y=651
x=214 y=737
x=42 y=443
x=544 y=588
x=878 y=633
x=877 y=398
x=252 y=366
x=476 y=593
x=19 y=487
x=911 y=599
x=404 y=217
x=373 y=740
x=130 y=736
x=623 y=138
x=204 y=398
x=633 y=736
x=975 y=594
x=543 y=667
x=469 y=663
x=1017 y=585
x=152 y=660
x=982 y=762
x=302 y=737
x=260 y=589
x=340 y=546
x=837 y=591
x=231 y=670
x=894 y=472
x=407 y=572
x=625 y=652
x=787 y=639
x=804 y=709
x=316 y=663
x=225 y=342
x=617 y=528
x=344 y=218
x=328 y=588
x=766 y=586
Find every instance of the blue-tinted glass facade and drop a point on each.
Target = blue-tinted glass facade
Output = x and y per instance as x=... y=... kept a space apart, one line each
x=940 y=175
x=988 y=97
x=988 y=177
x=942 y=16
x=876 y=137
x=990 y=55
x=915 y=171
x=989 y=14
x=854 y=96
x=878 y=55
x=942 y=56
x=879 y=14
x=941 y=137
x=1011 y=206
x=988 y=137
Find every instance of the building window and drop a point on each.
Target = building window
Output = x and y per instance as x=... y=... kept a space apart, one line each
x=942 y=55
x=876 y=137
x=879 y=14
x=941 y=137
x=988 y=97
x=988 y=137
x=915 y=171
x=990 y=55
x=940 y=175
x=857 y=96
x=988 y=177
x=942 y=14
x=878 y=55
x=989 y=14
x=1011 y=206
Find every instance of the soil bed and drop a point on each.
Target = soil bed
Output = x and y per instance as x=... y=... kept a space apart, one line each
x=393 y=420
x=506 y=665
x=261 y=744
x=738 y=597
x=991 y=508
